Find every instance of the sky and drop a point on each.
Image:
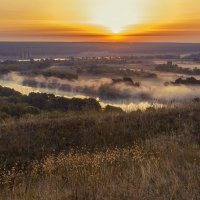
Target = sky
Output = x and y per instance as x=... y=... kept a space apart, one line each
x=100 y=20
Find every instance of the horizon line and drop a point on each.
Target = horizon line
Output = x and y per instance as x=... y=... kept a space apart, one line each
x=99 y=42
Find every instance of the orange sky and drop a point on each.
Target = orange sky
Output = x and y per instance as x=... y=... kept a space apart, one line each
x=100 y=20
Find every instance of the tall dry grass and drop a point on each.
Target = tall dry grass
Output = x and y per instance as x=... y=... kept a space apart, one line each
x=160 y=168
x=140 y=155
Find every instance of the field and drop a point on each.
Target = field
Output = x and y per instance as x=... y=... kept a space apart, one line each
x=152 y=154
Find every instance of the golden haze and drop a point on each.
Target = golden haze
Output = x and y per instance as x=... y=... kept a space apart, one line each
x=93 y=20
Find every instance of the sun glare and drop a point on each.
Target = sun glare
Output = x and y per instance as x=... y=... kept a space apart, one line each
x=116 y=29
x=115 y=15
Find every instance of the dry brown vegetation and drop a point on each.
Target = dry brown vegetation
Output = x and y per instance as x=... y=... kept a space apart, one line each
x=139 y=155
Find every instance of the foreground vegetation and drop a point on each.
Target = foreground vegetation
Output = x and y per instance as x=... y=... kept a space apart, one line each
x=92 y=154
x=162 y=168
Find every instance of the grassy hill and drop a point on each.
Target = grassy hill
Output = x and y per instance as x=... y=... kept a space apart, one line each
x=93 y=154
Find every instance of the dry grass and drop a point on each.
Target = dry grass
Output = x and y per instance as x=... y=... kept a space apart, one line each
x=161 y=168
x=151 y=155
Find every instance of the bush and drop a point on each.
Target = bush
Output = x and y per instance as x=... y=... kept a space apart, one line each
x=110 y=108
x=3 y=116
x=31 y=110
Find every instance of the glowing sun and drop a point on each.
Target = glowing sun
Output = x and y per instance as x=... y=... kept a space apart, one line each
x=115 y=15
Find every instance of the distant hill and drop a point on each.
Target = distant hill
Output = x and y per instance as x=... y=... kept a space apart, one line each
x=12 y=50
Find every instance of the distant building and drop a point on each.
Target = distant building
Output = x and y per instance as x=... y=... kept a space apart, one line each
x=25 y=55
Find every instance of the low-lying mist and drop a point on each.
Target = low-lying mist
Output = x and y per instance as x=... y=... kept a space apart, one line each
x=104 y=89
